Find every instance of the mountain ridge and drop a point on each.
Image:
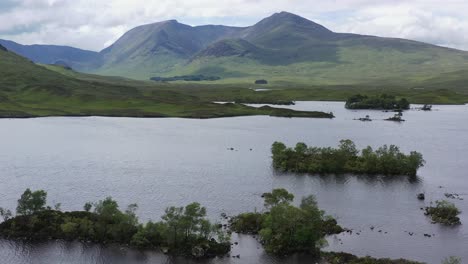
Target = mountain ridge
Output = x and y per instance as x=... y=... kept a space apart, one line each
x=283 y=46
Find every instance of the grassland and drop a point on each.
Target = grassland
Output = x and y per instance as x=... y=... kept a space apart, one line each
x=30 y=90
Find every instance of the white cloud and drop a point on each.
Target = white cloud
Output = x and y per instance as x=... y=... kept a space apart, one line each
x=94 y=24
x=412 y=22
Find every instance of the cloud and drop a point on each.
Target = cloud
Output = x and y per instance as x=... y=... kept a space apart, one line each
x=409 y=21
x=92 y=24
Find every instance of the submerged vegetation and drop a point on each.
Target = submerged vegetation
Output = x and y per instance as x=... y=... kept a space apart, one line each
x=284 y=228
x=182 y=231
x=380 y=102
x=444 y=212
x=386 y=160
x=452 y=260
x=396 y=117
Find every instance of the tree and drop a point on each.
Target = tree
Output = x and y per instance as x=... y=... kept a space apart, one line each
x=87 y=207
x=172 y=219
x=5 y=214
x=287 y=229
x=276 y=197
x=277 y=149
x=452 y=260
x=31 y=202
x=112 y=223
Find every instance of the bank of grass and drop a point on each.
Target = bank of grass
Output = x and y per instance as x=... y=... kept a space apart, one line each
x=290 y=92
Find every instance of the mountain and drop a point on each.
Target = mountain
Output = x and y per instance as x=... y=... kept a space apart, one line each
x=153 y=49
x=50 y=54
x=288 y=49
x=285 y=49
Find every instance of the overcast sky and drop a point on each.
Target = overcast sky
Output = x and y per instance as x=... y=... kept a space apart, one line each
x=95 y=24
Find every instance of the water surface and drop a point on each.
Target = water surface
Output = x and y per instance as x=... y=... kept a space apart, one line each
x=161 y=162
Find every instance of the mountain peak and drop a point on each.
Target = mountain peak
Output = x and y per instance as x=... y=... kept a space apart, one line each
x=285 y=28
x=293 y=19
x=171 y=21
x=286 y=14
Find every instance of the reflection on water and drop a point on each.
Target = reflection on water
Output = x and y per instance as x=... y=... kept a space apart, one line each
x=162 y=162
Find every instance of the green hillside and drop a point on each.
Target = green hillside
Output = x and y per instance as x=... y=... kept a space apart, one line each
x=31 y=90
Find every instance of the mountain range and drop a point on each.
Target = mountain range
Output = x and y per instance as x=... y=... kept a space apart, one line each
x=283 y=48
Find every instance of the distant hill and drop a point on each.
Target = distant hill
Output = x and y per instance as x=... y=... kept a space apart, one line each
x=50 y=54
x=284 y=49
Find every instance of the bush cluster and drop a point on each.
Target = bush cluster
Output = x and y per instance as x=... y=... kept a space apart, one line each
x=444 y=212
x=382 y=102
x=386 y=160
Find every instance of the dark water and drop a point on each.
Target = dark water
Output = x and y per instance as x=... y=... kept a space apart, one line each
x=161 y=162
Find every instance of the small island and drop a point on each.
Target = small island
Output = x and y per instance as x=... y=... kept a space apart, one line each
x=396 y=117
x=284 y=112
x=183 y=231
x=364 y=119
x=285 y=229
x=386 y=160
x=262 y=81
x=426 y=107
x=444 y=212
x=378 y=102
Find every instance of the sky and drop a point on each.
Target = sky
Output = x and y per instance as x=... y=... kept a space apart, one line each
x=96 y=24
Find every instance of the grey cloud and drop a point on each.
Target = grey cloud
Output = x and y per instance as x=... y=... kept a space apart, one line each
x=94 y=24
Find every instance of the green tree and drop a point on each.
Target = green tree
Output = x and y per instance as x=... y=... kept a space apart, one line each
x=5 y=214
x=87 y=207
x=172 y=219
x=452 y=260
x=276 y=197
x=287 y=229
x=31 y=202
x=113 y=224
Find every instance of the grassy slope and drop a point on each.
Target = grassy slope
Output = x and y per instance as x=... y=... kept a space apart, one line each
x=28 y=90
x=450 y=88
x=358 y=65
